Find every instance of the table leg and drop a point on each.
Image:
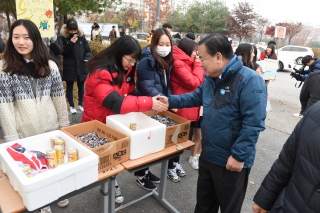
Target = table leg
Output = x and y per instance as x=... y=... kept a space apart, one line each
x=162 y=188
x=104 y=197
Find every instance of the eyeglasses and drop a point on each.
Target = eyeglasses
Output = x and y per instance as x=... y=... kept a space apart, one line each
x=202 y=59
x=209 y=56
x=130 y=61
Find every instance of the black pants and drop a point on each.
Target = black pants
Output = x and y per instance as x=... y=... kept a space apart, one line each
x=174 y=159
x=141 y=172
x=69 y=92
x=219 y=187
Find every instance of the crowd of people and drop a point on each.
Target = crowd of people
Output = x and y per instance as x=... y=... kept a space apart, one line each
x=202 y=80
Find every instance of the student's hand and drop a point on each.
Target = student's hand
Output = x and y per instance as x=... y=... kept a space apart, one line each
x=157 y=105
x=259 y=70
x=74 y=39
x=163 y=99
x=258 y=209
x=234 y=165
x=174 y=110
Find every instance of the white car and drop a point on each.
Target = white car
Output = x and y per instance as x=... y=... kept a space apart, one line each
x=295 y=53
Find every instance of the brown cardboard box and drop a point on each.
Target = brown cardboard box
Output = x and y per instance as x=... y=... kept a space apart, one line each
x=111 y=154
x=183 y=127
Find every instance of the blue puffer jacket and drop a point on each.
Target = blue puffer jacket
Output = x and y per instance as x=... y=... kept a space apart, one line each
x=234 y=110
x=151 y=80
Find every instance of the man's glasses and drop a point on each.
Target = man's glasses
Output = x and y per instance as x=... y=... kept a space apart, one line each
x=130 y=61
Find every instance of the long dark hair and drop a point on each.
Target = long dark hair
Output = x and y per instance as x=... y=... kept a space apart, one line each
x=244 y=50
x=188 y=46
x=13 y=60
x=125 y=45
x=168 y=60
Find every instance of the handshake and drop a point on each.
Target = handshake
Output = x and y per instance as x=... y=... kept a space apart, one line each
x=160 y=103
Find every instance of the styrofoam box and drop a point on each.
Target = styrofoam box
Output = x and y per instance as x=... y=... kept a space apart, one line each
x=148 y=138
x=49 y=185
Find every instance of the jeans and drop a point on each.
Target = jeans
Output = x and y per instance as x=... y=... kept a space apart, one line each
x=80 y=85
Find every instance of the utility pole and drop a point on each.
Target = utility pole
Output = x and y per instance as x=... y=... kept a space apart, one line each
x=158 y=14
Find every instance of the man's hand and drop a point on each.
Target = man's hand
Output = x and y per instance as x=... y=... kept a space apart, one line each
x=296 y=76
x=163 y=99
x=258 y=209
x=157 y=105
x=234 y=165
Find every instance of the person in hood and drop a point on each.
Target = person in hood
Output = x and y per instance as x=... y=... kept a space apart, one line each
x=186 y=76
x=76 y=53
x=110 y=84
x=292 y=184
x=153 y=78
x=32 y=99
x=233 y=99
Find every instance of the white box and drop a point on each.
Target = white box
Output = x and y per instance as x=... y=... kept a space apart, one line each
x=148 y=138
x=50 y=185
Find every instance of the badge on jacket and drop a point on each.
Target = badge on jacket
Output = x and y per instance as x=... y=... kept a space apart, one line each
x=128 y=79
x=222 y=92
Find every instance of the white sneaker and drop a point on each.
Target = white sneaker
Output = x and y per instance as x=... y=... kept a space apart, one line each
x=179 y=170
x=298 y=115
x=73 y=110
x=45 y=210
x=194 y=162
x=80 y=108
x=118 y=195
x=172 y=175
x=63 y=203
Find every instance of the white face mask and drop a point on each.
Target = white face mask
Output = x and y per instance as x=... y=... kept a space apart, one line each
x=163 y=51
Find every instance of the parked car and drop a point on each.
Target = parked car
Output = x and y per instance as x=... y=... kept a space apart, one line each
x=296 y=53
x=140 y=36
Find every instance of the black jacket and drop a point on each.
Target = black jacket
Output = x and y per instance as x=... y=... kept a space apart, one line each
x=75 y=56
x=293 y=183
x=55 y=47
x=310 y=91
x=2 y=45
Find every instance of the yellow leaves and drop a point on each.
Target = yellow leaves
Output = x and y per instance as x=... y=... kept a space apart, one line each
x=133 y=23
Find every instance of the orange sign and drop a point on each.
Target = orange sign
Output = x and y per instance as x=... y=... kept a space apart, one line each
x=144 y=15
x=280 y=32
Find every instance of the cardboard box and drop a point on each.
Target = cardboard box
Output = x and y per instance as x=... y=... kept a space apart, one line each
x=148 y=138
x=110 y=154
x=180 y=131
x=47 y=186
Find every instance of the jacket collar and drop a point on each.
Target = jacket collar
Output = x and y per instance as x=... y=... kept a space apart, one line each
x=64 y=32
x=178 y=54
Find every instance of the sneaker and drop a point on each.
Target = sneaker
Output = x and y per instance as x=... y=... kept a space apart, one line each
x=45 y=210
x=118 y=195
x=194 y=162
x=80 y=108
x=146 y=183
x=172 y=175
x=298 y=115
x=179 y=170
x=73 y=110
x=153 y=178
x=63 y=203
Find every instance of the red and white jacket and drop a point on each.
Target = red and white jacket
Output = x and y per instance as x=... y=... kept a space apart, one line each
x=104 y=97
x=186 y=76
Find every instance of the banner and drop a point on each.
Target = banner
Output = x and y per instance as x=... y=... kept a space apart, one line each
x=39 y=12
x=280 y=32
x=269 y=67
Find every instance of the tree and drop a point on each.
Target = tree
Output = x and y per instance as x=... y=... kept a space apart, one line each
x=261 y=26
x=9 y=8
x=241 y=22
x=204 y=17
x=151 y=8
x=292 y=29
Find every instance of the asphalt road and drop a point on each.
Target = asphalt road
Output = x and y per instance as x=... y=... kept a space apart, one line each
x=279 y=124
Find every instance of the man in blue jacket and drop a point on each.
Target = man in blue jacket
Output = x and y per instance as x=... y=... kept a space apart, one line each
x=234 y=110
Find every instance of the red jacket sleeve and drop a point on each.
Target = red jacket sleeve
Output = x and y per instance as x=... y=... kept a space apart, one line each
x=262 y=56
x=114 y=98
x=190 y=80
